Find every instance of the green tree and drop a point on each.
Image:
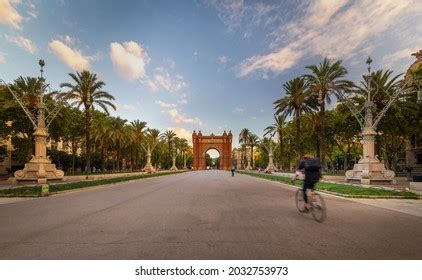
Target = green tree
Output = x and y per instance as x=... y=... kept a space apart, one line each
x=72 y=124
x=295 y=102
x=138 y=128
x=87 y=92
x=253 y=141
x=243 y=140
x=119 y=136
x=277 y=128
x=325 y=80
x=15 y=123
x=169 y=136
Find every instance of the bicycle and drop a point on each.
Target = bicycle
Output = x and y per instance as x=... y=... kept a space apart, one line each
x=317 y=205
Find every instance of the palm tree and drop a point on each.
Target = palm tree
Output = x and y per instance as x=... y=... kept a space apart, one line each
x=314 y=121
x=119 y=136
x=138 y=129
x=324 y=81
x=28 y=91
x=184 y=147
x=243 y=140
x=86 y=91
x=253 y=141
x=277 y=127
x=294 y=103
x=100 y=135
x=169 y=136
x=383 y=86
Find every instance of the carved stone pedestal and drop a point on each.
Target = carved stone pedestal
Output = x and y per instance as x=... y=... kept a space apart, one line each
x=39 y=168
x=369 y=173
x=173 y=167
x=148 y=167
x=40 y=171
x=270 y=168
x=369 y=170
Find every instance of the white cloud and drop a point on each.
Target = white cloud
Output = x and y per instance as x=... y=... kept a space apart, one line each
x=336 y=29
x=223 y=60
x=130 y=59
x=126 y=107
x=33 y=13
x=165 y=105
x=9 y=15
x=162 y=80
x=22 y=42
x=400 y=56
x=237 y=13
x=231 y=12
x=276 y=62
x=179 y=118
x=238 y=110
x=2 y=58
x=67 y=39
x=195 y=56
x=183 y=98
x=182 y=133
x=183 y=101
x=70 y=56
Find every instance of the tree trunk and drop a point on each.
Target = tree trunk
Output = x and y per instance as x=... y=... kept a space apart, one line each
x=345 y=162
x=252 y=156
x=280 y=136
x=298 y=137
x=74 y=150
x=88 y=139
x=322 y=131
x=318 y=150
x=102 y=160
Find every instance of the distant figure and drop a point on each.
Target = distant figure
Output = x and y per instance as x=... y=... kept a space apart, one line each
x=233 y=169
x=312 y=170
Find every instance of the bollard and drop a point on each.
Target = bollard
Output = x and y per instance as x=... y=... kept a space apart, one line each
x=45 y=190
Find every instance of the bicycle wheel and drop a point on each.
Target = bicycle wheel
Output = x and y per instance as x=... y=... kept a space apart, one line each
x=319 y=210
x=300 y=202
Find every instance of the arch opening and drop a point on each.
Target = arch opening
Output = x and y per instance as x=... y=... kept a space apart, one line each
x=212 y=159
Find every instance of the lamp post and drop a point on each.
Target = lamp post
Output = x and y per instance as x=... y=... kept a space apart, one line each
x=369 y=169
x=173 y=157
x=39 y=168
x=270 y=167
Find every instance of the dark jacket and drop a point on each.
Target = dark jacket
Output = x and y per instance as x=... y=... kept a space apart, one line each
x=312 y=169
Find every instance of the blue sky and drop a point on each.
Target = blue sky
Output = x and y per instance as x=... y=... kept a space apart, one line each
x=202 y=65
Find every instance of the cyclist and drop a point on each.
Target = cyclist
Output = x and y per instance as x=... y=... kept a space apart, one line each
x=312 y=171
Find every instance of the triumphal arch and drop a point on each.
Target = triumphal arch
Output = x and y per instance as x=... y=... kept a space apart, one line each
x=201 y=144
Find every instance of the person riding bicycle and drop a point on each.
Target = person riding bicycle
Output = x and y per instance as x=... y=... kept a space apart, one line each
x=312 y=171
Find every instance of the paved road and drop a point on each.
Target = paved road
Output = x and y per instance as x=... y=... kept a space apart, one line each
x=201 y=215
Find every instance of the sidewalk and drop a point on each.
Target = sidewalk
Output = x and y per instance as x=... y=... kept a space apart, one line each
x=407 y=206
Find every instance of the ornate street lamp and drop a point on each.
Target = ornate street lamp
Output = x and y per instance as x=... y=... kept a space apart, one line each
x=269 y=147
x=369 y=169
x=39 y=168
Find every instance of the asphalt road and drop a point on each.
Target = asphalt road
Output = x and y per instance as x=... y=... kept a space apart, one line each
x=201 y=215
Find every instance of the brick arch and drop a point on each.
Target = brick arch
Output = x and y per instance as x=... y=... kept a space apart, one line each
x=201 y=144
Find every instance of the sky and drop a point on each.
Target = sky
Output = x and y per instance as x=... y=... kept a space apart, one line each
x=203 y=65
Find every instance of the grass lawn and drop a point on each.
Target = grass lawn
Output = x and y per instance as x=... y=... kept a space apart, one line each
x=35 y=191
x=341 y=189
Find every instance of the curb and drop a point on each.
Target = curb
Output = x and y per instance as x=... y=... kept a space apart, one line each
x=339 y=194
x=90 y=187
